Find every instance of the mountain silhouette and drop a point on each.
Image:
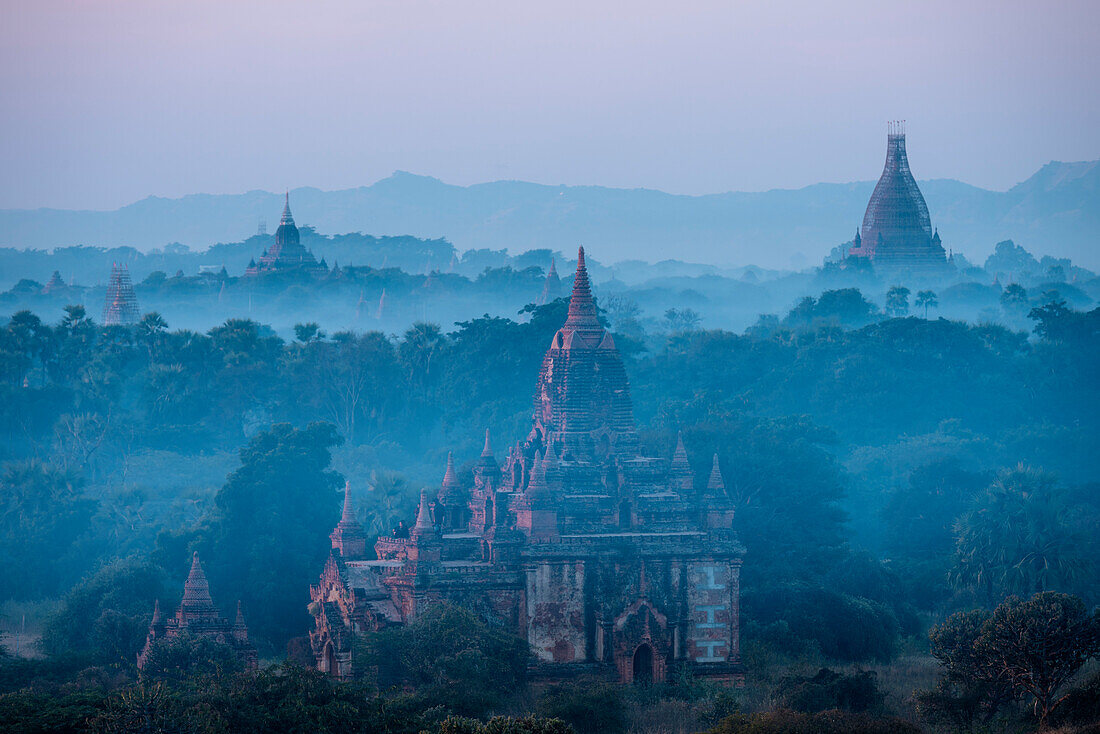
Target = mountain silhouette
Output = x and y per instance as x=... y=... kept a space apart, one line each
x=1056 y=211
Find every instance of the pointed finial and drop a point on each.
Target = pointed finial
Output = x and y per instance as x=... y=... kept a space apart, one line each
x=449 y=478
x=715 y=481
x=348 y=515
x=488 y=450
x=156 y=612
x=538 y=473
x=679 y=455
x=582 y=309
x=287 y=217
x=424 y=514
x=549 y=459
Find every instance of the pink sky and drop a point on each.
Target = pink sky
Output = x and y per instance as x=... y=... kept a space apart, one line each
x=102 y=103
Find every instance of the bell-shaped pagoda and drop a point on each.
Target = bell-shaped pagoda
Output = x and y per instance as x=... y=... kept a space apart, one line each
x=897 y=230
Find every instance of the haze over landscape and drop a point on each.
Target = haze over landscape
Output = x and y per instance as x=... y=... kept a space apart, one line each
x=425 y=367
x=1056 y=212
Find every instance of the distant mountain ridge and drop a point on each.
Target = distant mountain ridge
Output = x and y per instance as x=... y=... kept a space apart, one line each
x=1056 y=211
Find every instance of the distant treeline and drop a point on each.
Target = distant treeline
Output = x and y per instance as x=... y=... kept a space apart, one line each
x=428 y=281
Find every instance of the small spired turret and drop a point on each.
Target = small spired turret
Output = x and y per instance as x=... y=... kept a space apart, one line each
x=452 y=497
x=680 y=468
x=240 y=629
x=198 y=616
x=717 y=507
x=425 y=545
x=487 y=470
x=897 y=230
x=349 y=538
x=551 y=287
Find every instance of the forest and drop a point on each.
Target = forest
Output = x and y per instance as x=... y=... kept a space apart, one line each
x=913 y=491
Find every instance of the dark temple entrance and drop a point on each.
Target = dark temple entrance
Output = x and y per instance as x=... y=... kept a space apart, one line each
x=643 y=665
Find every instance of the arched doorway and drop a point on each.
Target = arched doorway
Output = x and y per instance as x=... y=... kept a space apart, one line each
x=328 y=661
x=643 y=665
x=625 y=520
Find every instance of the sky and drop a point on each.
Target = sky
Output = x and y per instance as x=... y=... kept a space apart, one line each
x=103 y=103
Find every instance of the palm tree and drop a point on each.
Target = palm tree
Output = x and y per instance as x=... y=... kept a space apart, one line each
x=149 y=330
x=1019 y=538
x=897 y=301
x=422 y=343
x=927 y=299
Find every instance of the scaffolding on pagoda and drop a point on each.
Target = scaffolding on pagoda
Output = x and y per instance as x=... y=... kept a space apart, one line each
x=120 y=307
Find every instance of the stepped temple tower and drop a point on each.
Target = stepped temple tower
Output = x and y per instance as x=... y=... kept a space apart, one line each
x=120 y=307
x=287 y=252
x=199 y=617
x=897 y=231
x=606 y=561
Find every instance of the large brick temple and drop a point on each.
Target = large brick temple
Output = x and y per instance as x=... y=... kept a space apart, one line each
x=606 y=561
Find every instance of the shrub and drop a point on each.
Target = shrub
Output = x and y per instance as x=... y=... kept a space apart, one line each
x=504 y=725
x=785 y=721
x=118 y=600
x=450 y=656
x=844 y=627
x=590 y=706
x=189 y=657
x=829 y=689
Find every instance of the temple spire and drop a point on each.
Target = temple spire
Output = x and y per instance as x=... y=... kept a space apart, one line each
x=156 y=613
x=582 y=307
x=288 y=218
x=488 y=450
x=348 y=515
x=240 y=629
x=549 y=462
x=449 y=478
x=348 y=537
x=715 y=482
x=536 y=483
x=679 y=456
x=196 y=591
x=424 y=514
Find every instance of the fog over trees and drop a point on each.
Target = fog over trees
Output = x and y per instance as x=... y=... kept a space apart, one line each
x=918 y=496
